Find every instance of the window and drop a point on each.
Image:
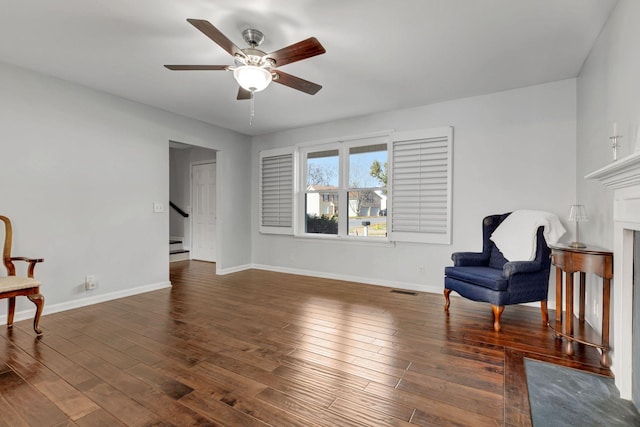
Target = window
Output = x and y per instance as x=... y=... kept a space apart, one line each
x=276 y=191
x=421 y=185
x=345 y=188
x=395 y=188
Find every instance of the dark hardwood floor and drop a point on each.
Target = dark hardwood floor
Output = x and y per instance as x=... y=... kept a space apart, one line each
x=259 y=348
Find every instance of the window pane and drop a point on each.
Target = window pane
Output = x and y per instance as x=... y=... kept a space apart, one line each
x=368 y=166
x=323 y=169
x=366 y=218
x=321 y=213
x=368 y=195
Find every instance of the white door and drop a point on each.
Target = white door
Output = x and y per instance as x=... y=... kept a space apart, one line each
x=203 y=184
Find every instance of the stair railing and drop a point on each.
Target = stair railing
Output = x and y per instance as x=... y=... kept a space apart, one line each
x=177 y=209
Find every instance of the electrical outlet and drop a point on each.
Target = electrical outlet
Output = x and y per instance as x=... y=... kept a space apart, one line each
x=90 y=283
x=421 y=269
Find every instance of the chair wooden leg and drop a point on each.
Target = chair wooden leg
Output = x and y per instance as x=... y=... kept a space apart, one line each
x=38 y=300
x=545 y=312
x=11 y=312
x=447 y=303
x=497 y=312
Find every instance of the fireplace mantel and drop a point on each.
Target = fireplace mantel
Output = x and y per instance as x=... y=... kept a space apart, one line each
x=623 y=177
x=620 y=174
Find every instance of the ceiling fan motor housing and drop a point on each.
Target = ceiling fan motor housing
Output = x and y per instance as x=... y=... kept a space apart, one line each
x=253 y=37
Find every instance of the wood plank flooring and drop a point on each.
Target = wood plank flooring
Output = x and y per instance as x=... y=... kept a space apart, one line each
x=258 y=348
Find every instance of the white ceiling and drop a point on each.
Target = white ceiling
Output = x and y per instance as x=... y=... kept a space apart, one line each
x=381 y=54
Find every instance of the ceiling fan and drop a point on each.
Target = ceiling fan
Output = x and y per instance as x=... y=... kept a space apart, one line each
x=255 y=69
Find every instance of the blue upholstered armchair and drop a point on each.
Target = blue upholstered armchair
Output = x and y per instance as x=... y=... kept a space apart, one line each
x=488 y=277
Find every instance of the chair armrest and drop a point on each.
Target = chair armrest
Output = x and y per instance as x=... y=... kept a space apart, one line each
x=32 y=263
x=515 y=267
x=462 y=259
x=21 y=258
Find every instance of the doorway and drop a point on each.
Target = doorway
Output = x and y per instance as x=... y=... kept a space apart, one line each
x=182 y=230
x=203 y=224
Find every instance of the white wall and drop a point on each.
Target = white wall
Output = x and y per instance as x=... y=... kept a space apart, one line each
x=608 y=92
x=512 y=150
x=79 y=170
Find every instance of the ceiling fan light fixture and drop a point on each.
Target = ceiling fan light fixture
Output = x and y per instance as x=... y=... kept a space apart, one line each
x=252 y=78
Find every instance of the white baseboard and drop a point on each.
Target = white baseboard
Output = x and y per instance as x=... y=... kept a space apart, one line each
x=236 y=269
x=83 y=302
x=433 y=289
x=358 y=279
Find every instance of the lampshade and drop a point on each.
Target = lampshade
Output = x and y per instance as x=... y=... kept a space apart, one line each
x=578 y=213
x=252 y=78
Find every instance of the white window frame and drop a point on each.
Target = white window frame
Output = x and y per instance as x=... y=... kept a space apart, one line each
x=402 y=232
x=342 y=145
x=285 y=186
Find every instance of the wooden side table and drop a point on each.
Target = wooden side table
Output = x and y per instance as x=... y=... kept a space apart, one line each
x=581 y=260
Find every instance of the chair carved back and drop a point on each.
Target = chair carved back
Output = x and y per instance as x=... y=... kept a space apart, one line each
x=6 y=252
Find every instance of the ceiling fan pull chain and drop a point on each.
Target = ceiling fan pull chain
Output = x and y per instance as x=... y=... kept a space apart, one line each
x=252 y=108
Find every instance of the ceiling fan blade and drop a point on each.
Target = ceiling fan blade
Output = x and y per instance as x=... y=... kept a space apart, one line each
x=297 y=52
x=243 y=94
x=296 y=83
x=196 y=67
x=214 y=34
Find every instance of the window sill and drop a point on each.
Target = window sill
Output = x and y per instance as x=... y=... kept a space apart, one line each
x=350 y=240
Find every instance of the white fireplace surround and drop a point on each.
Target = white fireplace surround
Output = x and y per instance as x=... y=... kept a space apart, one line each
x=623 y=177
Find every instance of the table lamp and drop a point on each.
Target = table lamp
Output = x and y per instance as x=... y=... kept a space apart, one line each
x=578 y=214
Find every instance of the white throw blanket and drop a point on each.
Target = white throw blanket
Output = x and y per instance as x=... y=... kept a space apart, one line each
x=516 y=235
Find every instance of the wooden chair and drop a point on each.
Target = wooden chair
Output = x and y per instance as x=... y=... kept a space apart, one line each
x=12 y=286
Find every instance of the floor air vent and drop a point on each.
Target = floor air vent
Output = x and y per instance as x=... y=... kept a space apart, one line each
x=402 y=291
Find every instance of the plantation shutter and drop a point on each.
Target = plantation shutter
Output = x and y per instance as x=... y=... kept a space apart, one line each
x=421 y=187
x=276 y=191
